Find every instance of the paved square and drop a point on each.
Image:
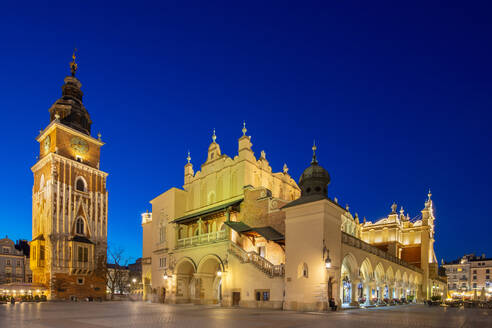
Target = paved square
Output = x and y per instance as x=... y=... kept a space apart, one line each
x=139 y=314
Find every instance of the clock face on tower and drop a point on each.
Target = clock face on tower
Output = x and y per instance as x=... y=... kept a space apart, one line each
x=80 y=145
x=47 y=144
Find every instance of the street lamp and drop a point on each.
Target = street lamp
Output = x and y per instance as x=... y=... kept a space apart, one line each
x=328 y=262
x=219 y=273
x=165 y=276
x=134 y=280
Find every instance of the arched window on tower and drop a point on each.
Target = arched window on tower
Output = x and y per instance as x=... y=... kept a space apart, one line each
x=79 y=226
x=80 y=184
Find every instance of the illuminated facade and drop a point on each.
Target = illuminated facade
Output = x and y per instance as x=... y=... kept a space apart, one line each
x=469 y=274
x=14 y=263
x=69 y=202
x=411 y=240
x=240 y=234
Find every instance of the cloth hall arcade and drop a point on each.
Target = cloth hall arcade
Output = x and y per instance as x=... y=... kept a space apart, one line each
x=239 y=234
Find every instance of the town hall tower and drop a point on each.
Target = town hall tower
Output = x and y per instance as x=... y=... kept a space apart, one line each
x=69 y=202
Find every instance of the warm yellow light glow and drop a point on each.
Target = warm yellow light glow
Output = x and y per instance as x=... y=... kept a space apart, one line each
x=219 y=273
x=165 y=277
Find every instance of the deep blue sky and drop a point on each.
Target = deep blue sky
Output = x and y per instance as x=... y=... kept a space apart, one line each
x=398 y=98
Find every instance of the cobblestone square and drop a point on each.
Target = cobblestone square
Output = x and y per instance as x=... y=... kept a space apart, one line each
x=139 y=314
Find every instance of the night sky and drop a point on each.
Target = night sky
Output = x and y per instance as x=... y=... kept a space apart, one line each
x=397 y=98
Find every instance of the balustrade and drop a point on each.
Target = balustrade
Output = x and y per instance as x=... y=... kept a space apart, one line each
x=356 y=242
x=202 y=239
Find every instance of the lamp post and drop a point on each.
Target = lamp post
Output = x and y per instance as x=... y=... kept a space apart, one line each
x=327 y=259
x=330 y=279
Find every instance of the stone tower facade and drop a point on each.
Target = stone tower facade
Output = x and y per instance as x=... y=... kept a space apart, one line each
x=69 y=202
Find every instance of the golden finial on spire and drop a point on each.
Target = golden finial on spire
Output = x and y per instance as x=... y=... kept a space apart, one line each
x=73 y=64
x=244 y=128
x=314 y=152
x=214 y=137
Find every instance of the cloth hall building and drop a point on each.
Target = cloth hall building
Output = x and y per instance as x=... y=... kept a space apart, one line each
x=239 y=234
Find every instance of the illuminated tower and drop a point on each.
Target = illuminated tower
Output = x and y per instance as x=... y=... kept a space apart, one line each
x=69 y=202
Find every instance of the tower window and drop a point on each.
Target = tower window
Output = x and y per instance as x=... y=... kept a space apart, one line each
x=79 y=226
x=80 y=184
x=83 y=254
x=41 y=253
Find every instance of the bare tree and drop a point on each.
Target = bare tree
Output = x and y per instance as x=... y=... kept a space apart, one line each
x=116 y=270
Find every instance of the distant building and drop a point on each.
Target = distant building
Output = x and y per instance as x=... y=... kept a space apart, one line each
x=14 y=261
x=135 y=270
x=125 y=279
x=469 y=273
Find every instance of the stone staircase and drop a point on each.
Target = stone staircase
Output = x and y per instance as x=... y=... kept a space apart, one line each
x=259 y=262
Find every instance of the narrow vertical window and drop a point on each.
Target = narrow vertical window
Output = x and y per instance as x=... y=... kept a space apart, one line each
x=79 y=226
x=41 y=253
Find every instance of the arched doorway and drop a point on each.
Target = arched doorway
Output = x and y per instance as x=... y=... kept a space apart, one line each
x=185 y=283
x=210 y=272
x=349 y=275
x=346 y=290
x=147 y=288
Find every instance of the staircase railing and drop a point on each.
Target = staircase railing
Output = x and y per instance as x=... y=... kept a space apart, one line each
x=258 y=261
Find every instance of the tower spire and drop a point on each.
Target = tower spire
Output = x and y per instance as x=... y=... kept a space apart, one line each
x=188 y=158
x=314 y=153
x=428 y=202
x=244 y=129
x=73 y=64
x=214 y=137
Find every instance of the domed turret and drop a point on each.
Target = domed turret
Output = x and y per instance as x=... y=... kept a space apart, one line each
x=315 y=179
x=313 y=183
x=69 y=109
